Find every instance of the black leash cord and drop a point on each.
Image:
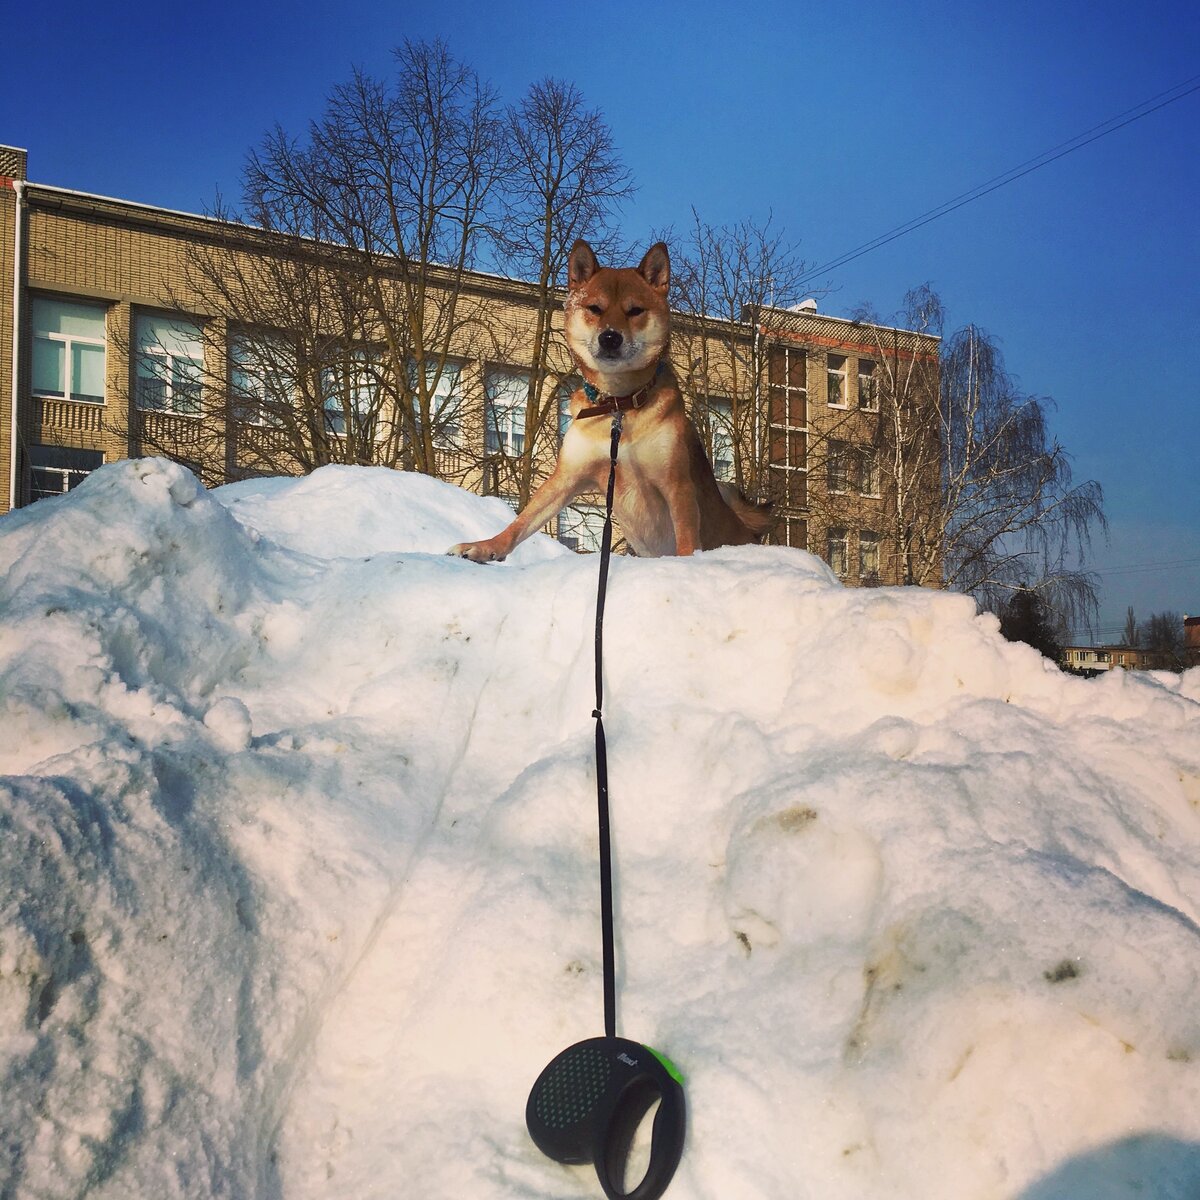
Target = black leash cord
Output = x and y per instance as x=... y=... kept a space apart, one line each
x=606 y=895
x=589 y=1102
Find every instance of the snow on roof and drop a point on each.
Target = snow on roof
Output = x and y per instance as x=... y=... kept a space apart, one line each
x=299 y=862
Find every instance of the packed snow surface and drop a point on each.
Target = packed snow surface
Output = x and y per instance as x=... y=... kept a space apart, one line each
x=299 y=864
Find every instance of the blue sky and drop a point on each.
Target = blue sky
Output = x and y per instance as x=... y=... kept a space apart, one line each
x=841 y=120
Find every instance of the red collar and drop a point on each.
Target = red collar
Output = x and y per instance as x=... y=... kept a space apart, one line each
x=602 y=405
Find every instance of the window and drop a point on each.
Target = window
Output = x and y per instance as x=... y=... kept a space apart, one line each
x=445 y=402
x=838 y=552
x=169 y=365
x=720 y=425
x=262 y=379
x=868 y=385
x=868 y=557
x=868 y=473
x=836 y=381
x=564 y=391
x=68 y=350
x=838 y=467
x=795 y=532
x=787 y=371
x=54 y=470
x=581 y=527
x=348 y=389
x=787 y=438
x=506 y=394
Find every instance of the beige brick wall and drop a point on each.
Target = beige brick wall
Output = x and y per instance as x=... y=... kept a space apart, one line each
x=128 y=258
x=8 y=211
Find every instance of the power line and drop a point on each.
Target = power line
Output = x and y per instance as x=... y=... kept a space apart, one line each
x=1174 y=564
x=1144 y=109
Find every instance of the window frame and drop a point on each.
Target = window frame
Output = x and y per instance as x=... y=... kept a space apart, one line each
x=784 y=364
x=71 y=476
x=68 y=342
x=838 y=536
x=580 y=527
x=506 y=439
x=253 y=405
x=871 y=392
x=869 y=472
x=355 y=373
x=719 y=412
x=837 y=459
x=869 y=539
x=144 y=353
x=447 y=435
x=840 y=373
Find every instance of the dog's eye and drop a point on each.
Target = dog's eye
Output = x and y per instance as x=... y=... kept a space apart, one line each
x=635 y=311
x=595 y=308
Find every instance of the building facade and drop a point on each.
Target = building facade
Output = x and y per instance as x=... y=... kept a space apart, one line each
x=1092 y=660
x=111 y=346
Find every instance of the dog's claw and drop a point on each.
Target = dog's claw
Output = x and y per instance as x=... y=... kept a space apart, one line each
x=470 y=551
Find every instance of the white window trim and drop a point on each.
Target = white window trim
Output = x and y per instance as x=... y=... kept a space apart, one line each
x=251 y=403
x=843 y=376
x=160 y=353
x=789 y=390
x=720 y=424
x=449 y=393
x=844 y=541
x=829 y=461
x=498 y=417
x=876 y=495
x=578 y=516
x=871 y=375
x=363 y=395
x=789 y=523
x=866 y=538
x=69 y=477
x=67 y=340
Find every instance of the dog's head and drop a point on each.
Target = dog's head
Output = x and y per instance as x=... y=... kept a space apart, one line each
x=618 y=319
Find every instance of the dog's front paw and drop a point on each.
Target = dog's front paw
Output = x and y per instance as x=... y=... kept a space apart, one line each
x=480 y=552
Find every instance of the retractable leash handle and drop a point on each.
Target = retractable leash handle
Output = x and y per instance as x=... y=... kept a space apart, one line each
x=587 y=1105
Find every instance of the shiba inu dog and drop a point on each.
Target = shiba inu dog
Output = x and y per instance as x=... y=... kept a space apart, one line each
x=667 y=499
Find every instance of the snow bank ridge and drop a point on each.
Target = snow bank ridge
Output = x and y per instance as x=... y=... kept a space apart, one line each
x=297 y=835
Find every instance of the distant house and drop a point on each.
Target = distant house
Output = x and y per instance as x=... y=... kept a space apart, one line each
x=1091 y=660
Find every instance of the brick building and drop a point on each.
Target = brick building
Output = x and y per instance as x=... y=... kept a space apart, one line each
x=108 y=349
x=1092 y=660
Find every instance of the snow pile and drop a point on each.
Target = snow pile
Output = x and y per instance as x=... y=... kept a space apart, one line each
x=299 y=864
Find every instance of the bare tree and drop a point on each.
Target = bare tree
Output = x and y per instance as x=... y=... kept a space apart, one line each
x=727 y=280
x=564 y=181
x=1131 y=634
x=906 y=435
x=345 y=287
x=1162 y=636
x=1014 y=515
x=986 y=502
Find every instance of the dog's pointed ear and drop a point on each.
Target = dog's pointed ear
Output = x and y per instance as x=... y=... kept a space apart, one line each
x=581 y=264
x=655 y=268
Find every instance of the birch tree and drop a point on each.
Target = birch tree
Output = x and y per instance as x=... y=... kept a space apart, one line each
x=986 y=501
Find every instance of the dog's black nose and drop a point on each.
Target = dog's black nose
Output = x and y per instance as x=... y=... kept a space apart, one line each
x=610 y=341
